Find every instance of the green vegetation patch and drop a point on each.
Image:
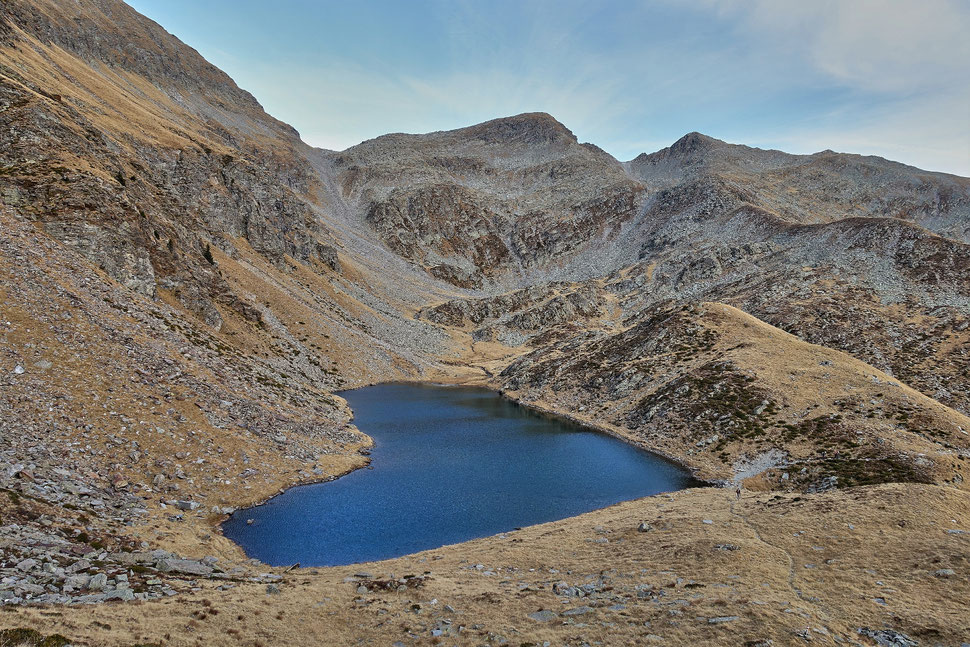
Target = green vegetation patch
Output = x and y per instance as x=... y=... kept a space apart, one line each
x=23 y=637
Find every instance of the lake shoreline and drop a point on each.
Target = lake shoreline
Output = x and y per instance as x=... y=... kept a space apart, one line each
x=502 y=432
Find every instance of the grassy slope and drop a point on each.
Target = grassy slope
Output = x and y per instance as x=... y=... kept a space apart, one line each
x=715 y=387
x=771 y=567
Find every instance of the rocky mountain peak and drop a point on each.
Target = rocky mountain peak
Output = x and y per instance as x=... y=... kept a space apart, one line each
x=694 y=142
x=527 y=128
x=692 y=147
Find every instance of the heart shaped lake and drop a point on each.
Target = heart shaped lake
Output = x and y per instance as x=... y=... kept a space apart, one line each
x=450 y=464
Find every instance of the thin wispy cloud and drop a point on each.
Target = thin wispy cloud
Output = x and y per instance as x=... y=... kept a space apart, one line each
x=881 y=77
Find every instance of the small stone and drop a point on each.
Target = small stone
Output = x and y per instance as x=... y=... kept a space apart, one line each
x=26 y=565
x=187 y=505
x=543 y=616
x=945 y=572
x=77 y=582
x=578 y=611
x=644 y=527
x=79 y=565
x=272 y=589
x=721 y=619
x=18 y=370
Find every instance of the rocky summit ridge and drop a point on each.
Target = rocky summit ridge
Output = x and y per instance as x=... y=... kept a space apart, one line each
x=185 y=284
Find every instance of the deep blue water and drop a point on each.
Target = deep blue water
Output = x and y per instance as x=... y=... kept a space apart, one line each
x=450 y=464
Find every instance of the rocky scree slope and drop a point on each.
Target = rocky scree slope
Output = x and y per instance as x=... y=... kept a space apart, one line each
x=125 y=427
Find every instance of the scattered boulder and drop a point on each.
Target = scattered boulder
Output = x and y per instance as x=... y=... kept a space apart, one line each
x=183 y=566
x=97 y=582
x=888 y=637
x=544 y=615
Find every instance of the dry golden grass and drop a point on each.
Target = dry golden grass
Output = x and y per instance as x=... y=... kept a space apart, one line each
x=827 y=564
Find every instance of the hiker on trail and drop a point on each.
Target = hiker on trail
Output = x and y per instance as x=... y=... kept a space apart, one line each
x=738 y=492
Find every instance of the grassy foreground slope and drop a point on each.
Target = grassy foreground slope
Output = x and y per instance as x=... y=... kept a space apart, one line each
x=859 y=566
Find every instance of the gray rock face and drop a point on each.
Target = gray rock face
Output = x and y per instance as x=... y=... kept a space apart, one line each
x=122 y=594
x=817 y=188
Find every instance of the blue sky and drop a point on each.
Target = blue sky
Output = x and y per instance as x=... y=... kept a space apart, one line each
x=881 y=77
